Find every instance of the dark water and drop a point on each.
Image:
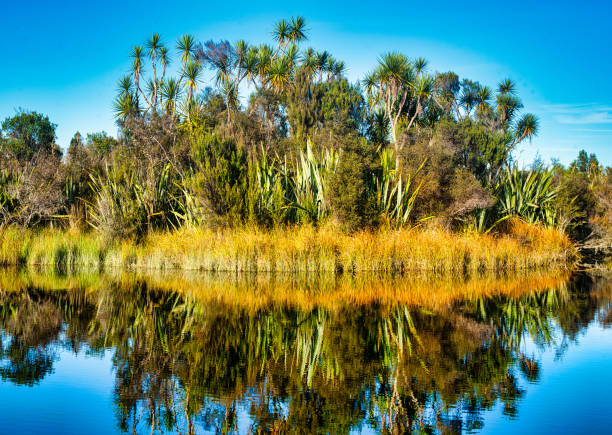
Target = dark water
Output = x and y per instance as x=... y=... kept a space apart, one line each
x=110 y=355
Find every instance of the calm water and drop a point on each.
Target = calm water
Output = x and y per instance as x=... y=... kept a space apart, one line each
x=100 y=354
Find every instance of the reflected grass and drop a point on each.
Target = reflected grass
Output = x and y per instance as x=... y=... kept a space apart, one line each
x=255 y=292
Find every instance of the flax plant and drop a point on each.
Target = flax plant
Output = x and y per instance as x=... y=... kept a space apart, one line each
x=529 y=195
x=394 y=196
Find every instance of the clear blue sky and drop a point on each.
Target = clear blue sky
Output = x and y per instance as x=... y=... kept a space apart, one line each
x=63 y=58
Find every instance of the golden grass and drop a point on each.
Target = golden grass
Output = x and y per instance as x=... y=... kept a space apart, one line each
x=298 y=249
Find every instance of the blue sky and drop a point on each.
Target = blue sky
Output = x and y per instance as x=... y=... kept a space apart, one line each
x=64 y=58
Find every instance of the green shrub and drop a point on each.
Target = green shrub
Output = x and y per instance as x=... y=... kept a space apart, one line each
x=220 y=178
x=351 y=197
x=448 y=190
x=576 y=203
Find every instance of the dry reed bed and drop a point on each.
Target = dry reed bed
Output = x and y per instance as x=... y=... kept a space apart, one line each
x=298 y=249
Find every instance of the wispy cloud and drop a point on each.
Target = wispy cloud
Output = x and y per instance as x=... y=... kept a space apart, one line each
x=591 y=118
x=594 y=130
x=579 y=114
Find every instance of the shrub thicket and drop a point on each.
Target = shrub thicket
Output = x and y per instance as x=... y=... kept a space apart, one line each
x=401 y=147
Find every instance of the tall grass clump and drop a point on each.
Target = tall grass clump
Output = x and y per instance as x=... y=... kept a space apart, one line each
x=326 y=249
x=14 y=245
x=66 y=251
x=61 y=250
x=299 y=249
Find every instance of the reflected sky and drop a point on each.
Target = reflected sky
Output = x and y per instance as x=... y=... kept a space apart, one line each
x=572 y=394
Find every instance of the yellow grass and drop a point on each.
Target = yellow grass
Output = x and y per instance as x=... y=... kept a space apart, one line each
x=298 y=249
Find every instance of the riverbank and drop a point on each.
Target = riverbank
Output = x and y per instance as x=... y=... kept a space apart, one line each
x=521 y=246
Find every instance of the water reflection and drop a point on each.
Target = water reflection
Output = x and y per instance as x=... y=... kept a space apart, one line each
x=275 y=355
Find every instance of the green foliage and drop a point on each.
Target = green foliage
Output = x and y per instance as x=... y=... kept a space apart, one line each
x=333 y=105
x=270 y=190
x=311 y=181
x=529 y=195
x=352 y=197
x=576 y=202
x=586 y=165
x=395 y=198
x=126 y=207
x=483 y=152
x=27 y=133
x=220 y=178
x=101 y=143
x=305 y=147
x=447 y=190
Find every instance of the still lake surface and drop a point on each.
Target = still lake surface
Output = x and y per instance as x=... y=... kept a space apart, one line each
x=224 y=354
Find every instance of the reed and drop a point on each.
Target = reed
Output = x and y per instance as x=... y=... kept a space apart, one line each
x=300 y=249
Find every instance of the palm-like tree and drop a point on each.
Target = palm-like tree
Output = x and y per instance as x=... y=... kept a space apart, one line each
x=169 y=94
x=250 y=64
x=230 y=93
x=286 y=32
x=241 y=50
x=185 y=46
x=137 y=70
x=125 y=105
x=125 y=86
x=297 y=31
x=309 y=61
x=423 y=90
x=338 y=70
x=483 y=96
x=329 y=67
x=154 y=46
x=506 y=86
x=468 y=98
x=279 y=74
x=390 y=86
x=186 y=50
x=165 y=60
x=420 y=66
x=403 y=89
x=292 y=56
x=280 y=33
x=507 y=106
x=321 y=60
x=526 y=128
x=192 y=76
x=150 y=88
x=220 y=57
x=264 y=62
